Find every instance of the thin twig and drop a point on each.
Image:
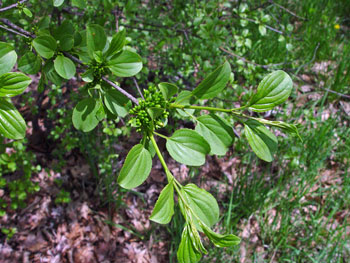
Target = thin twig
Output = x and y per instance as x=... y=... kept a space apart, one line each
x=312 y=59
x=74 y=58
x=138 y=88
x=236 y=133
x=287 y=10
x=13 y=31
x=12 y=6
x=251 y=62
x=15 y=27
x=337 y=93
x=132 y=98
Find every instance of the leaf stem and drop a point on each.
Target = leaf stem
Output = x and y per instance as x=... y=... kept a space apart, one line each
x=196 y=107
x=160 y=156
x=161 y=135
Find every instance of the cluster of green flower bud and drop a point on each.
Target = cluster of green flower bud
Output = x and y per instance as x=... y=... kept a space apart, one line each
x=153 y=102
x=99 y=69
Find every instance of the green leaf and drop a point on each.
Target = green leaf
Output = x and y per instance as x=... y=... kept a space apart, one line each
x=262 y=141
x=85 y=114
x=8 y=57
x=64 y=67
x=289 y=128
x=116 y=102
x=188 y=147
x=29 y=63
x=45 y=45
x=220 y=240
x=66 y=28
x=262 y=30
x=155 y=112
x=58 y=3
x=51 y=73
x=27 y=12
x=13 y=83
x=216 y=131
x=95 y=38
x=168 y=89
x=126 y=64
x=273 y=90
x=66 y=42
x=117 y=43
x=79 y=3
x=164 y=208
x=214 y=83
x=88 y=75
x=184 y=98
x=12 y=125
x=187 y=253
x=137 y=167
x=149 y=146
x=98 y=56
x=202 y=204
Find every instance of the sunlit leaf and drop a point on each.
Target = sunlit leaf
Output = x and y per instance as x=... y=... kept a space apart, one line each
x=164 y=208
x=188 y=147
x=12 y=124
x=214 y=83
x=262 y=141
x=273 y=90
x=136 y=168
x=13 y=83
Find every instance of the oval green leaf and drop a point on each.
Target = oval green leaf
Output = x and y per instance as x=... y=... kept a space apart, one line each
x=188 y=147
x=187 y=253
x=29 y=63
x=136 y=168
x=214 y=83
x=58 y=3
x=51 y=73
x=202 y=204
x=116 y=102
x=261 y=140
x=45 y=45
x=8 y=57
x=126 y=64
x=273 y=90
x=85 y=114
x=164 y=208
x=216 y=131
x=64 y=67
x=95 y=38
x=220 y=240
x=117 y=44
x=66 y=42
x=12 y=124
x=168 y=89
x=13 y=83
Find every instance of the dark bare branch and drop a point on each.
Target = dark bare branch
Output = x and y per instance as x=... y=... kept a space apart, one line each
x=16 y=28
x=13 y=31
